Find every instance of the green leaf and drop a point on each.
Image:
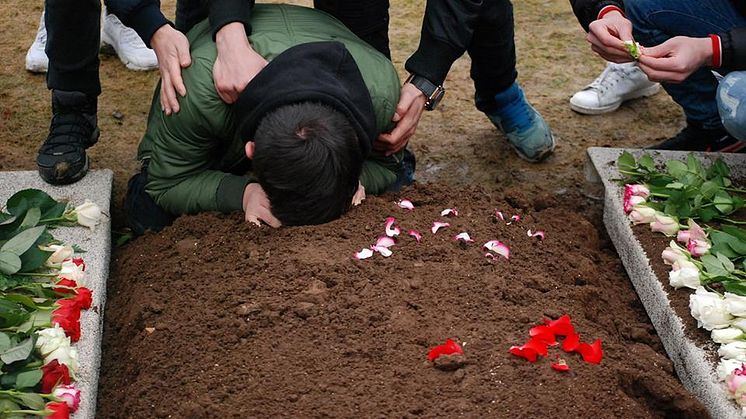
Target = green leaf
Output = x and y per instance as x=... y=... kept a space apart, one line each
x=719 y=168
x=37 y=319
x=19 y=352
x=8 y=405
x=11 y=281
x=675 y=185
x=695 y=166
x=23 y=240
x=647 y=163
x=735 y=231
x=31 y=400
x=32 y=198
x=4 y=342
x=11 y=314
x=707 y=214
x=730 y=246
x=723 y=202
x=626 y=162
x=9 y=263
x=736 y=287
x=713 y=266
x=33 y=215
x=709 y=189
x=676 y=169
x=727 y=264
x=23 y=300
x=28 y=379
x=7 y=219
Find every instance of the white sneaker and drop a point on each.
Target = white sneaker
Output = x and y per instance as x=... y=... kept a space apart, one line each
x=128 y=45
x=617 y=83
x=36 y=58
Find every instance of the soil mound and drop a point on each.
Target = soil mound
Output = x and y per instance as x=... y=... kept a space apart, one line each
x=217 y=318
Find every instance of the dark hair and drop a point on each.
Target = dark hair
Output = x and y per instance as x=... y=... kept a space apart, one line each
x=308 y=160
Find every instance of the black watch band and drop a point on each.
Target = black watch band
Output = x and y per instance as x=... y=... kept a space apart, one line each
x=432 y=92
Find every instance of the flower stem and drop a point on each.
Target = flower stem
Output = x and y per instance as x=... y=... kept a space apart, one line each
x=733 y=221
x=50 y=275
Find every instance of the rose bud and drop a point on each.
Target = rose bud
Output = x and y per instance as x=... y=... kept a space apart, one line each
x=665 y=224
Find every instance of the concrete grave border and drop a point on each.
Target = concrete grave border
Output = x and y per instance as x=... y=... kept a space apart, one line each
x=96 y=187
x=696 y=372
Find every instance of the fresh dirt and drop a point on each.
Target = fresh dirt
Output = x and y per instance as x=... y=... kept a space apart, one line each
x=375 y=320
x=236 y=320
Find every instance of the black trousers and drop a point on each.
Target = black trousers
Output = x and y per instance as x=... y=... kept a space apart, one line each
x=73 y=31
x=492 y=52
x=368 y=19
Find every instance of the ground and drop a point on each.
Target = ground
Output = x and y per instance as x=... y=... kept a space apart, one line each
x=455 y=144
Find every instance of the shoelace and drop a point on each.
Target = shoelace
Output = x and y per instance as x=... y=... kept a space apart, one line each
x=613 y=73
x=69 y=130
x=517 y=115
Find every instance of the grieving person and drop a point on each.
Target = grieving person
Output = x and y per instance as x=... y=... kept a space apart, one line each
x=296 y=146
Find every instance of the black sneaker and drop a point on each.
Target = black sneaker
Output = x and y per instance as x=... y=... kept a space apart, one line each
x=62 y=159
x=694 y=138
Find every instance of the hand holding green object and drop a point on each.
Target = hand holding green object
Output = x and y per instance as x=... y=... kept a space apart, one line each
x=633 y=48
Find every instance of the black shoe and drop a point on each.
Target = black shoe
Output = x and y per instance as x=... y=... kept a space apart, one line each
x=62 y=159
x=694 y=138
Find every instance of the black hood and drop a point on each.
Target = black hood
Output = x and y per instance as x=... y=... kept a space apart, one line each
x=323 y=72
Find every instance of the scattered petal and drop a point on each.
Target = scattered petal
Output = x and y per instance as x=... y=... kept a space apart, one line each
x=592 y=353
x=364 y=254
x=562 y=326
x=385 y=241
x=515 y=218
x=448 y=348
x=416 y=234
x=437 y=225
x=544 y=334
x=531 y=350
x=499 y=215
x=448 y=212
x=391 y=230
x=571 y=342
x=498 y=247
x=537 y=233
x=560 y=365
x=463 y=237
x=406 y=204
x=384 y=251
x=490 y=255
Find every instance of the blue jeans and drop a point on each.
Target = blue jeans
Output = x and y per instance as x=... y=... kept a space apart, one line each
x=731 y=100
x=655 y=21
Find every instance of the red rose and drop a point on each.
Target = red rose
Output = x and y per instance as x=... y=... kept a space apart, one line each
x=84 y=298
x=68 y=317
x=66 y=283
x=52 y=374
x=59 y=410
x=80 y=263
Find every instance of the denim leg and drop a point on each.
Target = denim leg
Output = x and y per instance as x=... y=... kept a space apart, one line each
x=731 y=100
x=655 y=21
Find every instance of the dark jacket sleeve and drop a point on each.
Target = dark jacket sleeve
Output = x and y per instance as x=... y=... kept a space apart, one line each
x=447 y=29
x=734 y=49
x=144 y=16
x=587 y=10
x=223 y=12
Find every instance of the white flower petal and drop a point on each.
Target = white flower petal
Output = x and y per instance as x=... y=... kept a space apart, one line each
x=437 y=225
x=406 y=204
x=384 y=251
x=391 y=230
x=448 y=212
x=364 y=254
x=463 y=237
x=498 y=247
x=385 y=241
x=416 y=234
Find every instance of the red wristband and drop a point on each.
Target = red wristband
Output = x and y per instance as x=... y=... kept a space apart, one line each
x=608 y=9
x=717 y=54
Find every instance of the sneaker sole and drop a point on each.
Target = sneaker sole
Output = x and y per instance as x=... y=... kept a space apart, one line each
x=646 y=92
x=107 y=45
x=542 y=155
x=66 y=181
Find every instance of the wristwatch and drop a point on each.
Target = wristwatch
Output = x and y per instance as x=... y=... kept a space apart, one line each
x=432 y=92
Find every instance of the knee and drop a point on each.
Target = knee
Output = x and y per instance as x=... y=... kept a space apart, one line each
x=731 y=101
x=637 y=11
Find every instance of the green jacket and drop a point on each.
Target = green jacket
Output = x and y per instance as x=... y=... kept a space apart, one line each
x=194 y=153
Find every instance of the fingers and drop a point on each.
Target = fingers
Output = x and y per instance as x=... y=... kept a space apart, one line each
x=615 y=54
x=168 y=95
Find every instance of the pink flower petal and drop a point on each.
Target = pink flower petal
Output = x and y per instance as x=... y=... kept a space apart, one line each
x=416 y=234
x=514 y=219
x=391 y=230
x=498 y=247
x=384 y=251
x=448 y=212
x=437 y=225
x=538 y=233
x=499 y=215
x=490 y=255
x=363 y=254
x=385 y=241
x=406 y=204
x=463 y=237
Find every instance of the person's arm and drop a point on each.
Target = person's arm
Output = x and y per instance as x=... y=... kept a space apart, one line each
x=733 y=49
x=144 y=16
x=380 y=172
x=589 y=10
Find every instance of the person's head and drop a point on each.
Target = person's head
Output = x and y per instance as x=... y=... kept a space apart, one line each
x=308 y=160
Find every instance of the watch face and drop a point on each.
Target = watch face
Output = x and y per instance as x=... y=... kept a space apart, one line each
x=435 y=98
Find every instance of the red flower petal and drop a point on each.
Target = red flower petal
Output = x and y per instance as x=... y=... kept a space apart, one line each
x=84 y=299
x=560 y=365
x=562 y=326
x=66 y=283
x=59 y=410
x=592 y=353
x=80 y=263
x=524 y=352
x=537 y=345
x=448 y=348
x=68 y=317
x=571 y=343
x=544 y=334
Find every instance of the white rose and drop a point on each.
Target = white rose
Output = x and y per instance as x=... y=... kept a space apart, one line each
x=687 y=275
x=727 y=366
x=709 y=309
x=734 y=350
x=89 y=214
x=64 y=355
x=739 y=322
x=727 y=335
x=59 y=254
x=674 y=253
x=736 y=304
x=70 y=270
x=50 y=339
x=641 y=214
